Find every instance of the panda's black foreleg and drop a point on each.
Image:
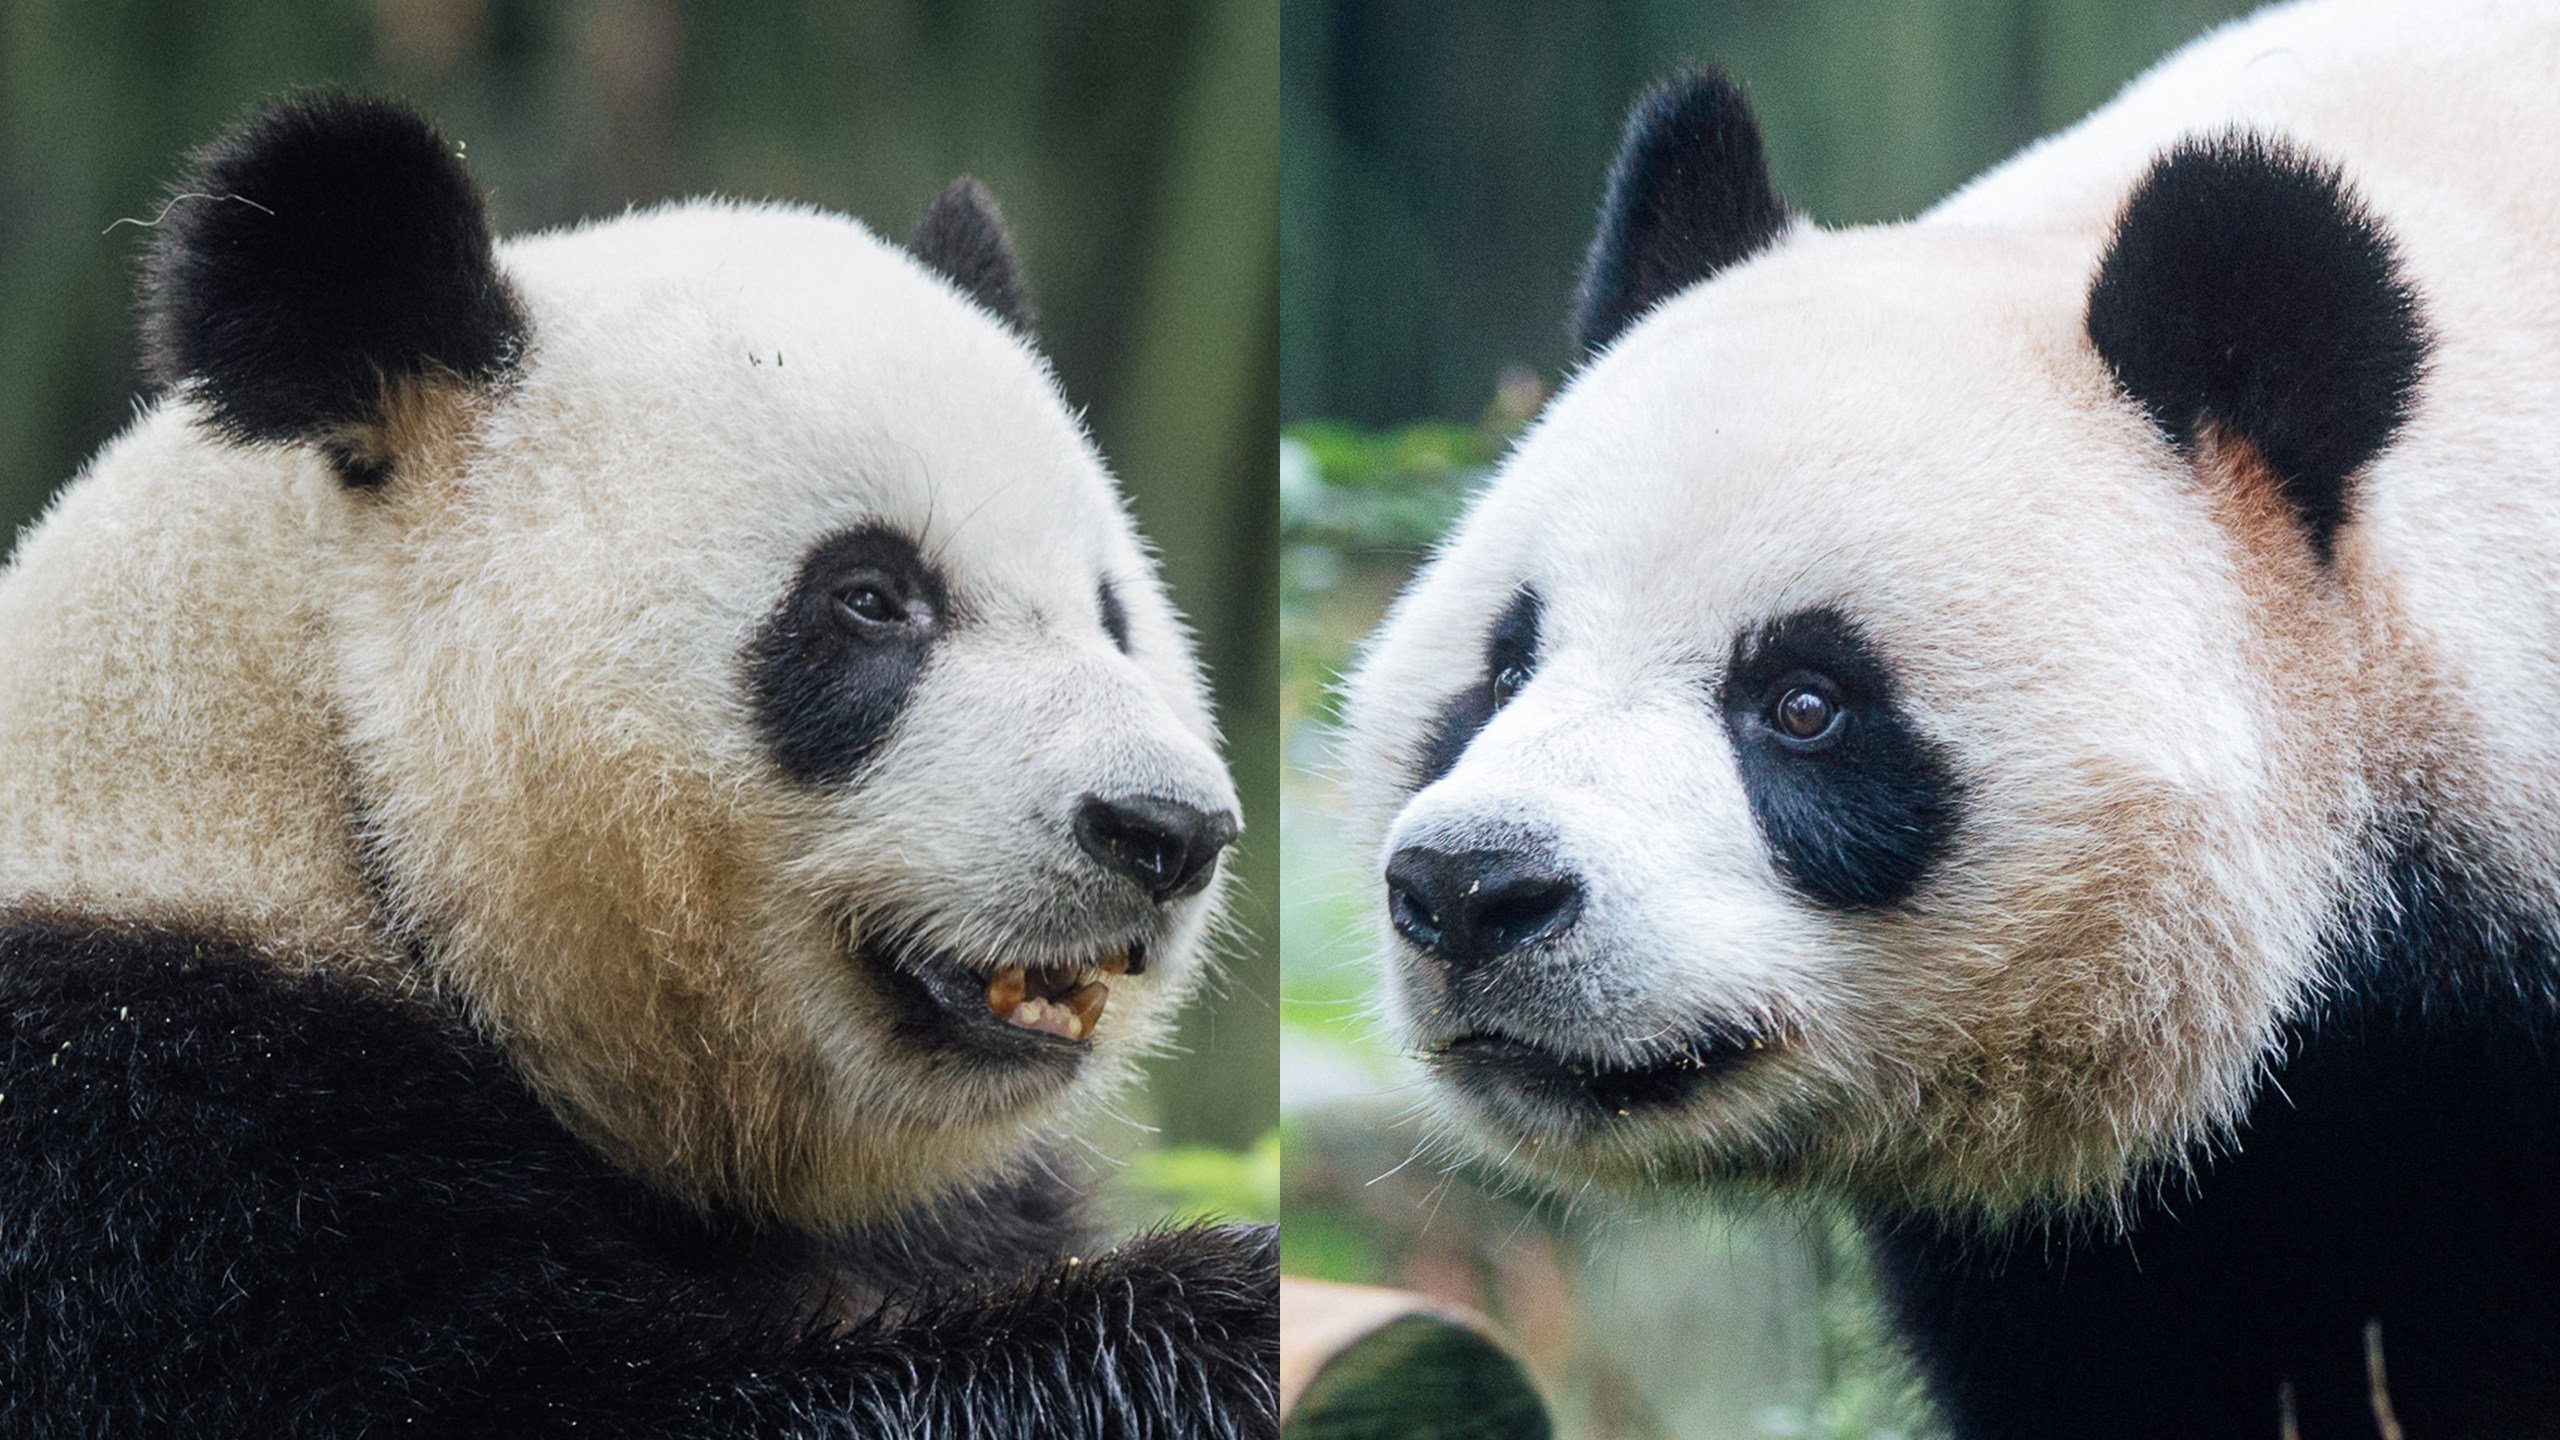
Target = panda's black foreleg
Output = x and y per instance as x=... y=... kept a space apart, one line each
x=1175 y=1335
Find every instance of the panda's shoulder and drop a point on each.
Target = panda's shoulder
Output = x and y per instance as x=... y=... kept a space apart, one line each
x=197 y=1054
x=159 y=1071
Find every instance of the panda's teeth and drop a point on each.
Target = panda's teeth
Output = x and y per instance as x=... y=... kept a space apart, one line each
x=1057 y=1000
x=1005 y=991
x=1086 y=1004
x=1115 y=963
x=1050 y=1017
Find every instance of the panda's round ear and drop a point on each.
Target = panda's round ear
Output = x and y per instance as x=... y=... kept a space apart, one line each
x=317 y=263
x=1689 y=194
x=962 y=236
x=2247 y=298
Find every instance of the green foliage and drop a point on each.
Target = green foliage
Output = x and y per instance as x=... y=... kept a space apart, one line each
x=1357 y=508
x=1440 y=163
x=1204 y=1182
x=1322 y=1244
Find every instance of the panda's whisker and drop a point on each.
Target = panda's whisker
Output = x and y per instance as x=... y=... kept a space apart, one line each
x=943 y=546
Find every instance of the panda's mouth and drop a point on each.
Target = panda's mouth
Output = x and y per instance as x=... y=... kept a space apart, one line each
x=1582 y=1092
x=1061 y=1000
x=1007 y=1010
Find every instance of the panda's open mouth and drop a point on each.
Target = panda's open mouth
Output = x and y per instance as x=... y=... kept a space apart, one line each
x=1583 y=1091
x=1061 y=1000
x=1009 y=1010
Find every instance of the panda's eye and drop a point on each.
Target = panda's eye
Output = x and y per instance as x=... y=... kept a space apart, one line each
x=1508 y=680
x=868 y=604
x=1806 y=715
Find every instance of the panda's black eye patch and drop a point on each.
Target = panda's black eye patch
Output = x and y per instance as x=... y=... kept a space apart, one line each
x=1115 y=619
x=1510 y=658
x=1854 y=803
x=831 y=668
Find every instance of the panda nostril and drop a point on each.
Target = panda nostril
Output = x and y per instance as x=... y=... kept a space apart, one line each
x=1478 y=905
x=1521 y=912
x=1167 y=846
x=1411 y=915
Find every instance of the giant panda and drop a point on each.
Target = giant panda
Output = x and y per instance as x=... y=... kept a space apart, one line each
x=582 y=821
x=2032 y=727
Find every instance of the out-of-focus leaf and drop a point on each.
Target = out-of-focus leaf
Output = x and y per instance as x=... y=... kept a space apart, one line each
x=1205 y=1182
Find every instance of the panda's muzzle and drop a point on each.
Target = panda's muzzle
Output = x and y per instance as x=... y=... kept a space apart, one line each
x=1547 y=1087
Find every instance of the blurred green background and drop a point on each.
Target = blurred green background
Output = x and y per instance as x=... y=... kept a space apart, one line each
x=1130 y=142
x=1440 y=169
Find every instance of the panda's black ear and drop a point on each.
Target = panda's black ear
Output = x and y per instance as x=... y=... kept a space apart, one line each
x=2249 y=297
x=313 y=261
x=963 y=236
x=1689 y=195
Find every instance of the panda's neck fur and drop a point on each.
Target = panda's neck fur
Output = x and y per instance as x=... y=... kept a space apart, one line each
x=167 y=747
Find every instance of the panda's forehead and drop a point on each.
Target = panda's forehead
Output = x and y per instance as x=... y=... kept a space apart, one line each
x=1824 y=431
x=777 y=375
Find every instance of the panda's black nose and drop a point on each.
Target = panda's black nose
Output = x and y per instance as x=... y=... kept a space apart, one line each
x=1167 y=846
x=1470 y=906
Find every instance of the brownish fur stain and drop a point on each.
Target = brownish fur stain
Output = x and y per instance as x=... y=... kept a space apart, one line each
x=2305 y=639
x=2277 y=564
x=422 y=425
x=2354 y=673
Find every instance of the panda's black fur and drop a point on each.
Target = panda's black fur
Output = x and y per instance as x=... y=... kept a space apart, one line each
x=1690 y=194
x=963 y=235
x=1510 y=657
x=250 y=1204
x=250 y=1198
x=825 y=699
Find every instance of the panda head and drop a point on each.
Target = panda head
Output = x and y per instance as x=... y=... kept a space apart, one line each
x=1891 y=726
x=756 y=703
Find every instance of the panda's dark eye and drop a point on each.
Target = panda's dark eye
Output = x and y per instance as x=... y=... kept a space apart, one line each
x=1806 y=714
x=869 y=604
x=1510 y=658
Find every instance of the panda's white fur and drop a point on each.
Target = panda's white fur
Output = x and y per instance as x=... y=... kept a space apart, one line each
x=2177 y=734
x=507 y=690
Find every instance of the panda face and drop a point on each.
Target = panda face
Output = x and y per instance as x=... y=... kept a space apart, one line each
x=1845 y=744
x=766 y=704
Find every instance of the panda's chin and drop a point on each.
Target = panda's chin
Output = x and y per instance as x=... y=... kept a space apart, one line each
x=1530 y=1088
